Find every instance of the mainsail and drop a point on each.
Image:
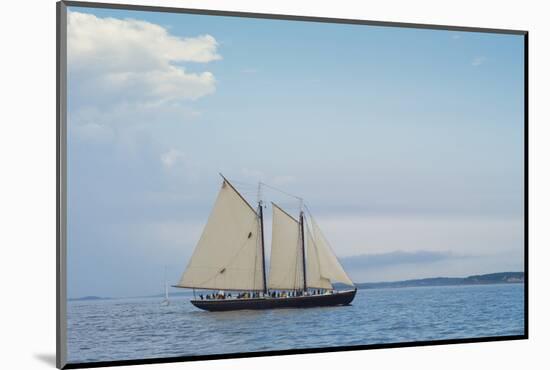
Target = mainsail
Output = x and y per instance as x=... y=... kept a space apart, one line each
x=285 y=270
x=322 y=265
x=228 y=255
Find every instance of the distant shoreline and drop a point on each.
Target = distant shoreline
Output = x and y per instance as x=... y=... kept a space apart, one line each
x=486 y=279
x=494 y=278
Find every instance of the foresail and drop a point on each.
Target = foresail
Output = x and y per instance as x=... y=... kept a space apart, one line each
x=314 y=278
x=329 y=267
x=286 y=271
x=228 y=254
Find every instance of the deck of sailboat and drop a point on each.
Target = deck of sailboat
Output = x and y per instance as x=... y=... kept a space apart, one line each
x=340 y=298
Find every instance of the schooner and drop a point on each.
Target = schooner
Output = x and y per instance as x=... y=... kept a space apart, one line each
x=229 y=259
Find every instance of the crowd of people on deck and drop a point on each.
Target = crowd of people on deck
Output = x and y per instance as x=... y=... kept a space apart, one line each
x=272 y=294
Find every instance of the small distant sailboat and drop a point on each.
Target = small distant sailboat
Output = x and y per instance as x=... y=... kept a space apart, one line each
x=165 y=301
x=229 y=257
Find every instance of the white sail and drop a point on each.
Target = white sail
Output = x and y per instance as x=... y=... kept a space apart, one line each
x=165 y=301
x=327 y=264
x=286 y=269
x=313 y=268
x=228 y=255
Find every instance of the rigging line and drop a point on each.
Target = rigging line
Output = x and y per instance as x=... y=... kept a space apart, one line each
x=254 y=186
x=311 y=218
x=281 y=191
x=247 y=188
x=241 y=182
x=307 y=209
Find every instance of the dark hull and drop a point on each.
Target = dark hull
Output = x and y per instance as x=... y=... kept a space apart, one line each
x=267 y=303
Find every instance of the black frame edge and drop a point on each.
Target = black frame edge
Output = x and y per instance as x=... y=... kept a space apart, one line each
x=61 y=126
x=61 y=171
x=526 y=183
x=288 y=17
x=288 y=352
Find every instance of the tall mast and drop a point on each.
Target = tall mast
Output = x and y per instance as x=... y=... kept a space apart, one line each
x=262 y=241
x=303 y=248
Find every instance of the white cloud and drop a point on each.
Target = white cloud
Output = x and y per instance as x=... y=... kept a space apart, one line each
x=125 y=75
x=120 y=121
x=90 y=129
x=177 y=164
x=478 y=61
x=130 y=60
x=171 y=158
x=117 y=44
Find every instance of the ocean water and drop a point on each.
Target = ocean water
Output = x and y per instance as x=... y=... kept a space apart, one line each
x=124 y=329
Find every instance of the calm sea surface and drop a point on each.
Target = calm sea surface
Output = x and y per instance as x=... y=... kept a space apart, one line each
x=122 y=329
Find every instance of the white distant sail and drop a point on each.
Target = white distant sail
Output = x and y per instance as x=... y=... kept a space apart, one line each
x=286 y=271
x=166 y=301
x=228 y=255
x=327 y=265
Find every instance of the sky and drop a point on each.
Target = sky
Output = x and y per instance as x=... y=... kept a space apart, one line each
x=406 y=144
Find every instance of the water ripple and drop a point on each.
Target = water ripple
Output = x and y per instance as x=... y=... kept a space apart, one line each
x=141 y=328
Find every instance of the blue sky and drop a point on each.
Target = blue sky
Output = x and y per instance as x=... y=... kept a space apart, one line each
x=404 y=142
